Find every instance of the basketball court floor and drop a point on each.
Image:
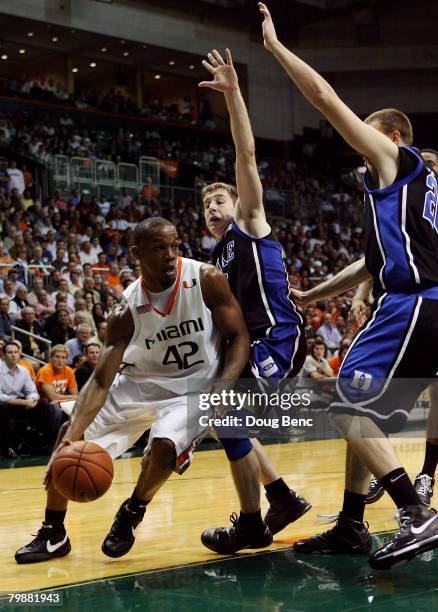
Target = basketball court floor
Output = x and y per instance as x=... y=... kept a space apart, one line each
x=169 y=569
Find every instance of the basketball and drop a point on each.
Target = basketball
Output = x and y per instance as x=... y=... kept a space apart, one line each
x=82 y=471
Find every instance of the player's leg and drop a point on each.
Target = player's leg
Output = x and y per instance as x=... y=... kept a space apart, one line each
x=248 y=530
x=349 y=535
x=51 y=540
x=156 y=467
x=285 y=505
x=425 y=480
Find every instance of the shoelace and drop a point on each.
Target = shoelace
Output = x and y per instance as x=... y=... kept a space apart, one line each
x=326 y=519
x=424 y=487
x=234 y=518
x=374 y=482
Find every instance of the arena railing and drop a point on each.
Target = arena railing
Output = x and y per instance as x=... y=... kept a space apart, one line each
x=18 y=330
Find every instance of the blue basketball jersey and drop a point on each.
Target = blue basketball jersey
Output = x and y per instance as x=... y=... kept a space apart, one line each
x=402 y=227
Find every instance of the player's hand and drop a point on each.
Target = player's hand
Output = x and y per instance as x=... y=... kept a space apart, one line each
x=31 y=403
x=48 y=473
x=269 y=33
x=301 y=298
x=224 y=75
x=357 y=315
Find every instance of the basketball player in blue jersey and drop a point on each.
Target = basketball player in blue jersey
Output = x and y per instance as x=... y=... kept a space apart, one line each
x=169 y=329
x=251 y=257
x=399 y=341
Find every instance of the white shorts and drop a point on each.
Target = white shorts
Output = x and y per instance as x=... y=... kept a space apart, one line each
x=124 y=418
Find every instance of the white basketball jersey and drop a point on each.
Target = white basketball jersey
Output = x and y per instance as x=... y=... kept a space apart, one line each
x=171 y=347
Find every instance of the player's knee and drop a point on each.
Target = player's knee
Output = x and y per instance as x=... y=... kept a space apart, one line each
x=163 y=453
x=236 y=448
x=341 y=420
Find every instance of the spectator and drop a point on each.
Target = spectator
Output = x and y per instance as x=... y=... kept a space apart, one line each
x=316 y=365
x=336 y=361
x=37 y=286
x=55 y=381
x=100 y=336
x=31 y=346
x=76 y=346
x=18 y=396
x=330 y=333
x=43 y=307
x=58 y=328
x=16 y=177
x=6 y=319
x=23 y=361
x=82 y=374
x=20 y=301
x=5 y=179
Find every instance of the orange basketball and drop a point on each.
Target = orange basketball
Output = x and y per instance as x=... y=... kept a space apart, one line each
x=82 y=471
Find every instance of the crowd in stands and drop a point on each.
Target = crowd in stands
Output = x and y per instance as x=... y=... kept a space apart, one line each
x=187 y=111
x=65 y=261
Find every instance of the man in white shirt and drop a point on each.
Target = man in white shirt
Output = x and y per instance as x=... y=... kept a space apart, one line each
x=87 y=255
x=330 y=333
x=16 y=176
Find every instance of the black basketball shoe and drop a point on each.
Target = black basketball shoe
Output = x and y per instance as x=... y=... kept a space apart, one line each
x=424 y=486
x=228 y=540
x=418 y=533
x=375 y=491
x=121 y=537
x=348 y=537
x=48 y=544
x=284 y=510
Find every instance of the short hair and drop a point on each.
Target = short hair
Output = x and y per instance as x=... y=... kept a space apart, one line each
x=432 y=151
x=230 y=189
x=148 y=224
x=10 y=343
x=87 y=346
x=392 y=119
x=58 y=348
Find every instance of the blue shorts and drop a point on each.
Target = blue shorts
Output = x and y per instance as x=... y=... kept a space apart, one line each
x=391 y=360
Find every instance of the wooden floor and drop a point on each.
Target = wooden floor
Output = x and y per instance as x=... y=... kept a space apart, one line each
x=169 y=536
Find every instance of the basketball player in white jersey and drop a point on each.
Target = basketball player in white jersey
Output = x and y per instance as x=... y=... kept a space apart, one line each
x=168 y=330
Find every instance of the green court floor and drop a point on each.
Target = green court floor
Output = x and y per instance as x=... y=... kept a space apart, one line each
x=267 y=582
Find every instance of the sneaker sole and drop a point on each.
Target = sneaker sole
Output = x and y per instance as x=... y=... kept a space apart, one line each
x=39 y=557
x=262 y=544
x=407 y=555
x=115 y=554
x=288 y=520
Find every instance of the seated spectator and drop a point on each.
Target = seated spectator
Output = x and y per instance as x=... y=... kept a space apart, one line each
x=100 y=336
x=20 y=300
x=336 y=361
x=43 y=307
x=92 y=354
x=63 y=289
x=37 y=286
x=25 y=362
x=18 y=396
x=316 y=365
x=76 y=346
x=98 y=314
x=6 y=319
x=101 y=266
x=55 y=381
x=330 y=333
x=58 y=328
x=31 y=346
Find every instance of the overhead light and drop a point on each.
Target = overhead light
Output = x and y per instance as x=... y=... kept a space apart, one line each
x=4 y=56
x=93 y=65
x=22 y=51
x=125 y=53
x=75 y=69
x=191 y=67
x=171 y=63
x=30 y=34
x=55 y=39
x=104 y=49
x=157 y=76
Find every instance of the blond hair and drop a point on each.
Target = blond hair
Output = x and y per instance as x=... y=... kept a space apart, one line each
x=392 y=120
x=230 y=189
x=58 y=348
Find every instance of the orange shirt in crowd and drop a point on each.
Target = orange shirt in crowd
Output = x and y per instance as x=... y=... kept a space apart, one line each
x=102 y=269
x=29 y=367
x=62 y=381
x=335 y=364
x=5 y=269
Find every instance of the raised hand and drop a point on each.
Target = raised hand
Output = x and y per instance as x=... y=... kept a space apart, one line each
x=269 y=33
x=224 y=75
x=357 y=315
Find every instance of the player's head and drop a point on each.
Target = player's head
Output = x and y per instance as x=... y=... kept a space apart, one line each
x=394 y=124
x=430 y=156
x=156 y=246
x=219 y=200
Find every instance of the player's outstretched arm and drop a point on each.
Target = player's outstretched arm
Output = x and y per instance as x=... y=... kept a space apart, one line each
x=366 y=140
x=250 y=213
x=228 y=318
x=343 y=281
x=92 y=396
